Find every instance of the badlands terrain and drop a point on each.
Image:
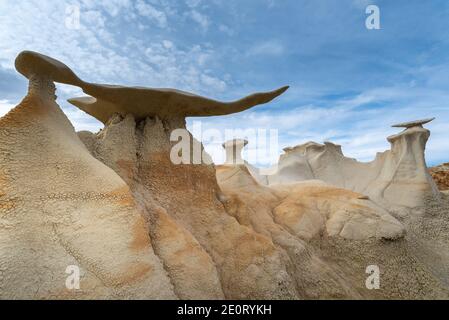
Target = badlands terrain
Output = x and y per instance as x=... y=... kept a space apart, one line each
x=139 y=226
x=441 y=176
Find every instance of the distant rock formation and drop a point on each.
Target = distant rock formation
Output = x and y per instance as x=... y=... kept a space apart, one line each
x=397 y=179
x=234 y=151
x=322 y=214
x=139 y=226
x=311 y=218
x=440 y=175
x=411 y=124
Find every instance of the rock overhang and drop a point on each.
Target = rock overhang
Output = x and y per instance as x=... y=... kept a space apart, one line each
x=414 y=123
x=105 y=100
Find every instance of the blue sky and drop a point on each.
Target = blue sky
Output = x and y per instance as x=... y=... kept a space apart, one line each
x=348 y=83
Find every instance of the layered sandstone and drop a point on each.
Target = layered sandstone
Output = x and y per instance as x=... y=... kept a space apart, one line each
x=60 y=207
x=140 y=225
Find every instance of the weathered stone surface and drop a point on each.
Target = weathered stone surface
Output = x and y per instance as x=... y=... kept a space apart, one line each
x=411 y=124
x=141 y=227
x=440 y=175
x=345 y=229
x=397 y=179
x=59 y=206
x=163 y=103
x=141 y=102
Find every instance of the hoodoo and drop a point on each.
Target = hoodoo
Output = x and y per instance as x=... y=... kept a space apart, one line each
x=234 y=151
x=136 y=225
x=397 y=179
x=154 y=213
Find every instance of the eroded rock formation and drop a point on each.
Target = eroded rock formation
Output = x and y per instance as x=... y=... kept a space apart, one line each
x=160 y=226
x=60 y=207
x=310 y=196
x=440 y=175
x=397 y=179
x=140 y=226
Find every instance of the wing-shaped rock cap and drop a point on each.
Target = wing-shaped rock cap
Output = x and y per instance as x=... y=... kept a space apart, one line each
x=410 y=124
x=142 y=102
x=164 y=103
x=30 y=63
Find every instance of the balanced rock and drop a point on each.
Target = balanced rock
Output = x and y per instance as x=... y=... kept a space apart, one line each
x=142 y=102
x=137 y=225
x=411 y=124
x=397 y=179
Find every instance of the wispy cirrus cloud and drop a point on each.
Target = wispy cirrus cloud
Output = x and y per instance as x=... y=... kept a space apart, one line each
x=356 y=122
x=147 y=10
x=348 y=84
x=101 y=49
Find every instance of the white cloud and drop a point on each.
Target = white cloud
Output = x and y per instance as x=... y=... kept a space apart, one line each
x=200 y=18
x=93 y=52
x=98 y=53
x=193 y=3
x=226 y=29
x=271 y=48
x=114 y=7
x=147 y=10
x=80 y=121
x=183 y=68
x=5 y=106
x=362 y=131
x=168 y=44
x=213 y=82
